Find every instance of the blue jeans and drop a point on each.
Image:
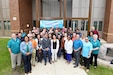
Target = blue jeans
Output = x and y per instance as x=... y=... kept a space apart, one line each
x=27 y=63
x=59 y=52
x=47 y=53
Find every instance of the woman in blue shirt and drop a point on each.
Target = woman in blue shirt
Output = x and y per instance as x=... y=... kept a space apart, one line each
x=26 y=50
x=86 y=53
x=96 y=45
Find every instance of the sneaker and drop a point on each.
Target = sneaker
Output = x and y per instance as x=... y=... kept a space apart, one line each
x=73 y=63
x=95 y=67
x=87 y=70
x=13 y=69
x=75 y=66
x=45 y=64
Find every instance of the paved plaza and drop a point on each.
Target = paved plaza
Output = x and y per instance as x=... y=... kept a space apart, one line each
x=58 y=68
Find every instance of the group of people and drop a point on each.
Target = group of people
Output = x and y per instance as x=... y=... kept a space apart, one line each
x=52 y=43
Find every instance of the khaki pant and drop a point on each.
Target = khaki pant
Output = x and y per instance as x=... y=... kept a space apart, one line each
x=16 y=59
x=33 y=57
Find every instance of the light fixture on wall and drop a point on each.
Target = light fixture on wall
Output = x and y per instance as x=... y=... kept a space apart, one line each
x=27 y=25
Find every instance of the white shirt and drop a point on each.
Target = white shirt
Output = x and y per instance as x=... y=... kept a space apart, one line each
x=68 y=46
x=57 y=44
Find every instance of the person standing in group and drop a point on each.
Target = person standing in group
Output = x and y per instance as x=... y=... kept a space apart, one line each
x=39 y=48
x=14 y=50
x=77 y=50
x=26 y=50
x=68 y=48
x=34 y=45
x=74 y=36
x=23 y=33
x=86 y=53
x=64 y=38
x=59 y=51
x=95 y=52
x=46 y=47
x=95 y=31
x=90 y=36
x=54 y=47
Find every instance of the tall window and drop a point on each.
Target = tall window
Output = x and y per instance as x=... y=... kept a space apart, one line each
x=0 y=25
x=100 y=25
x=5 y=14
x=95 y=24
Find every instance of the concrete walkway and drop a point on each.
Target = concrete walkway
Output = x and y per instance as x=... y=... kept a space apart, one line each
x=58 y=68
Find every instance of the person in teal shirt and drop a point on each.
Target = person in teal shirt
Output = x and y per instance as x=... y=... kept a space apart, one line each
x=26 y=49
x=86 y=53
x=77 y=45
x=23 y=33
x=14 y=50
x=90 y=36
x=96 y=45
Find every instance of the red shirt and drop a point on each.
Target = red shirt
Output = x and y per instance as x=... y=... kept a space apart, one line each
x=96 y=32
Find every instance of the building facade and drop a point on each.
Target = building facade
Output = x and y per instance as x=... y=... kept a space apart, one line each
x=81 y=14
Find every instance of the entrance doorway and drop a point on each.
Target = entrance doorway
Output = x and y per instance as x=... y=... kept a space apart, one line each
x=62 y=9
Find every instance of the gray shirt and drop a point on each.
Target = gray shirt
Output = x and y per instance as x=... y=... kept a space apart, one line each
x=46 y=43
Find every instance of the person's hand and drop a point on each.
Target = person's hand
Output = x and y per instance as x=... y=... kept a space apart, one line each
x=75 y=50
x=28 y=53
x=47 y=49
x=88 y=56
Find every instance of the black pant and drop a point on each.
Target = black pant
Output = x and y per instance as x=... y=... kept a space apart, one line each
x=86 y=62
x=77 y=57
x=95 y=59
x=27 y=63
x=39 y=55
x=64 y=53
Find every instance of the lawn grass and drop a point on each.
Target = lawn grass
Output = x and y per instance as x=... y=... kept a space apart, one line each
x=5 y=63
x=100 y=70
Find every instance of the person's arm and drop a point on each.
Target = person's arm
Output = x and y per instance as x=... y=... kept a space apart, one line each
x=9 y=50
x=49 y=46
x=65 y=45
x=98 y=46
x=89 y=54
x=9 y=47
x=31 y=48
x=57 y=44
x=22 y=48
x=81 y=45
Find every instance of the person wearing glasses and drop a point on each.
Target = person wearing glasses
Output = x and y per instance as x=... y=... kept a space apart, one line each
x=86 y=53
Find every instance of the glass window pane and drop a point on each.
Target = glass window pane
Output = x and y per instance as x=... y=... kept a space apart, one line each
x=0 y=25
x=100 y=25
x=86 y=25
x=82 y=25
x=95 y=24
x=76 y=24
x=5 y=25
x=9 y=24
